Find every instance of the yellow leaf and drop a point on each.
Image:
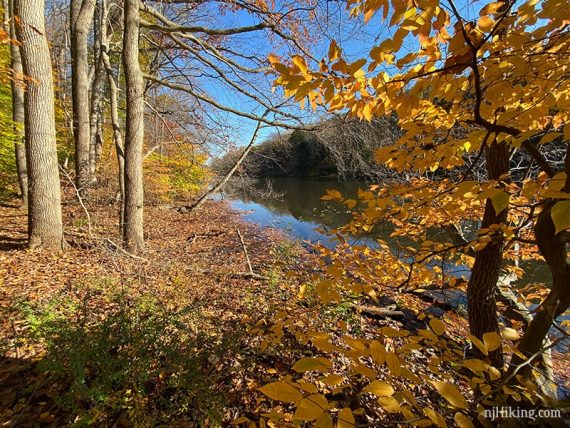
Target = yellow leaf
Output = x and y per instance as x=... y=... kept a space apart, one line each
x=475 y=365
x=333 y=380
x=350 y=203
x=377 y=352
x=299 y=61
x=485 y=23
x=311 y=408
x=451 y=394
x=369 y=14
x=560 y=213
x=334 y=194
x=356 y=65
x=312 y=364
x=491 y=8
x=435 y=417
x=390 y=404
x=462 y=421
x=551 y=136
x=492 y=340
x=325 y=421
x=500 y=201
x=480 y=345
x=334 y=51
x=437 y=326
x=380 y=389
x=345 y=418
x=510 y=334
x=393 y=363
x=281 y=391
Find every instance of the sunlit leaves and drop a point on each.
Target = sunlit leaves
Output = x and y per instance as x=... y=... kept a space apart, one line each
x=455 y=87
x=345 y=418
x=311 y=408
x=281 y=391
x=380 y=389
x=312 y=364
x=451 y=394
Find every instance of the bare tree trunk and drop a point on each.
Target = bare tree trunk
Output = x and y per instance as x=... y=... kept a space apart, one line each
x=81 y=16
x=482 y=287
x=6 y=17
x=114 y=100
x=134 y=136
x=229 y=174
x=96 y=93
x=45 y=227
x=18 y=110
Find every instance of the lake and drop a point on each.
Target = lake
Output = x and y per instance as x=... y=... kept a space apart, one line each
x=291 y=205
x=294 y=205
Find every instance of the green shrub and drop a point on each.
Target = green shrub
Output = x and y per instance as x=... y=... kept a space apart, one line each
x=127 y=358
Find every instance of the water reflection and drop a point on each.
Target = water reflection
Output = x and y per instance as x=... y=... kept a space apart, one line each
x=295 y=206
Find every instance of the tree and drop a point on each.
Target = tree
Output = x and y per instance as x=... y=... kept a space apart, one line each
x=18 y=110
x=134 y=135
x=81 y=17
x=114 y=101
x=97 y=91
x=44 y=199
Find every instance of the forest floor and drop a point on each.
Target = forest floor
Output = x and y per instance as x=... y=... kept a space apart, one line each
x=94 y=336
x=187 y=274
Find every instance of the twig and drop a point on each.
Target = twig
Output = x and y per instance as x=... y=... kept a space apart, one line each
x=116 y=246
x=245 y=252
x=80 y=199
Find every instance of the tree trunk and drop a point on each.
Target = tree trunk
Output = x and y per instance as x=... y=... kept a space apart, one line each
x=18 y=111
x=45 y=227
x=96 y=93
x=114 y=100
x=134 y=135
x=81 y=16
x=553 y=247
x=482 y=287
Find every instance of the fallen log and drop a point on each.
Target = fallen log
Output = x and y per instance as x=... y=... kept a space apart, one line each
x=238 y=275
x=378 y=312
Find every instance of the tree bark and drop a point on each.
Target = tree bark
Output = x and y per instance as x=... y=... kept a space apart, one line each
x=18 y=110
x=114 y=101
x=96 y=94
x=482 y=286
x=553 y=247
x=133 y=205
x=81 y=16
x=45 y=227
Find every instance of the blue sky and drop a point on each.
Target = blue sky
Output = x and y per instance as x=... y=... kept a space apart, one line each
x=355 y=38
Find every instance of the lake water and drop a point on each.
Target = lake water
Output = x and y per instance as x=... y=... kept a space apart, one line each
x=291 y=205
x=294 y=205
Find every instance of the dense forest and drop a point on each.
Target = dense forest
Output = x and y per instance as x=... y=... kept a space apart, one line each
x=133 y=294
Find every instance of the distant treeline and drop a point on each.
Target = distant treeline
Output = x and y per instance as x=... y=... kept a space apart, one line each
x=336 y=148
x=344 y=150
